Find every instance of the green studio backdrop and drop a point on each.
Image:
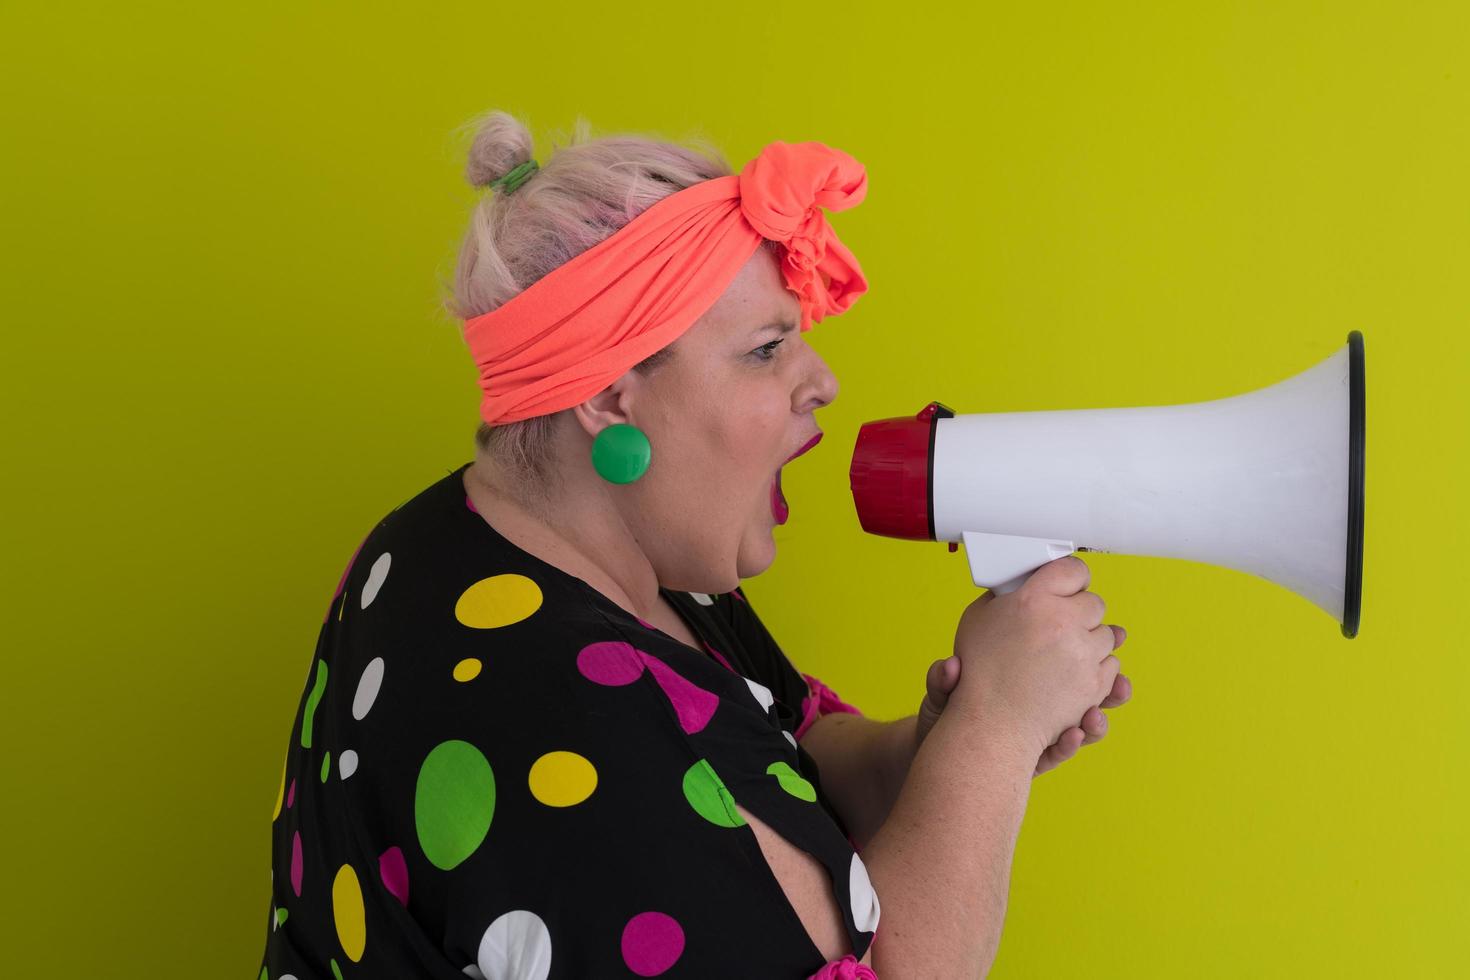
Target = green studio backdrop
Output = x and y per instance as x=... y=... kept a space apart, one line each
x=226 y=360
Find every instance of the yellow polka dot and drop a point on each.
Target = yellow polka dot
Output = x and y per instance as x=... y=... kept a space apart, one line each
x=562 y=779
x=280 y=793
x=499 y=600
x=347 y=911
x=467 y=669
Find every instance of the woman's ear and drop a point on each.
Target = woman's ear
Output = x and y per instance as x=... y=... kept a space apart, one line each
x=610 y=406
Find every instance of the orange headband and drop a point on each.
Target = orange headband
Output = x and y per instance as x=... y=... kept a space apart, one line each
x=577 y=329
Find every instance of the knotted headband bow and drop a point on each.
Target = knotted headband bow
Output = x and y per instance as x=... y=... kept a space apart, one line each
x=580 y=327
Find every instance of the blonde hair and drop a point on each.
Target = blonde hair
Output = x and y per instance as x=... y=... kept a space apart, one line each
x=577 y=197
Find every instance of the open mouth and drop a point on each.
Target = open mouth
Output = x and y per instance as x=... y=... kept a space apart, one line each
x=779 y=508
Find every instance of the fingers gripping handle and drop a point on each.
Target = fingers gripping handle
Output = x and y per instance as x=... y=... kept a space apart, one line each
x=1003 y=562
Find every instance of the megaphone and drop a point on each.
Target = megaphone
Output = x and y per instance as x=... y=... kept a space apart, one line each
x=1269 y=483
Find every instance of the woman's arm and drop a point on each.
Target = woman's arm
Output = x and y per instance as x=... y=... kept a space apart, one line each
x=941 y=862
x=862 y=764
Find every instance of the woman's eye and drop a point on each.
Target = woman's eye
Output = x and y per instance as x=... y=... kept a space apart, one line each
x=761 y=352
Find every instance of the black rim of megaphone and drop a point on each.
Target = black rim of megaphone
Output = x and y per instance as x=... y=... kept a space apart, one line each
x=1353 y=587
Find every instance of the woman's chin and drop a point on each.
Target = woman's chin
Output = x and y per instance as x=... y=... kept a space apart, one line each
x=756 y=556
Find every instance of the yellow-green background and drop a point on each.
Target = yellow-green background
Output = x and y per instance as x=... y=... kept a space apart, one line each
x=224 y=361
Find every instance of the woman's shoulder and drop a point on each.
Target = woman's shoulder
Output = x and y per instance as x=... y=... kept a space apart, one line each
x=433 y=549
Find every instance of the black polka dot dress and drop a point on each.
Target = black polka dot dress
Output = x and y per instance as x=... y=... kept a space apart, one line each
x=495 y=771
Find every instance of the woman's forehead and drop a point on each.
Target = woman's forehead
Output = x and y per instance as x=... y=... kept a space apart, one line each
x=757 y=296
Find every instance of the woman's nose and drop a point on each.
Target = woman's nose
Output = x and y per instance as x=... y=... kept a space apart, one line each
x=824 y=387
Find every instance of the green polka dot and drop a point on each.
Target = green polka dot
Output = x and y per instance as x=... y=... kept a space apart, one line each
x=453 y=803
x=792 y=782
x=264 y=975
x=709 y=797
x=326 y=765
x=280 y=917
x=337 y=970
x=312 y=700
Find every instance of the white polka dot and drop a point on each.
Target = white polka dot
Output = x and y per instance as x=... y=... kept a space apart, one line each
x=516 y=946
x=762 y=694
x=367 y=688
x=864 y=899
x=702 y=598
x=288 y=976
x=473 y=971
x=347 y=763
x=789 y=737
x=377 y=575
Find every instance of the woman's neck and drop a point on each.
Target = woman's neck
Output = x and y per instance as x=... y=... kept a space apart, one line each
x=604 y=554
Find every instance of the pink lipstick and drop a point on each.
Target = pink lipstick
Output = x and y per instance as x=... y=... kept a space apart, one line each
x=779 y=508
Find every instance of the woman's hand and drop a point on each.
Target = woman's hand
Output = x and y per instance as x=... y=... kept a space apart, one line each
x=1094 y=726
x=945 y=674
x=942 y=678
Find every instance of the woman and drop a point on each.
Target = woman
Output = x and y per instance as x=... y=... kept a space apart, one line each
x=544 y=733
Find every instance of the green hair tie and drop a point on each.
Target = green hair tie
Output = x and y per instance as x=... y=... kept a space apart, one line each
x=516 y=177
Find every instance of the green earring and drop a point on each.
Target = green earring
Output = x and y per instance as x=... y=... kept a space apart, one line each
x=621 y=453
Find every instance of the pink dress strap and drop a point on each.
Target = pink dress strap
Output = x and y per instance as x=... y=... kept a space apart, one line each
x=821 y=701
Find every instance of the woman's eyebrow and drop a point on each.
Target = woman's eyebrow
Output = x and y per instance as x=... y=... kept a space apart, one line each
x=786 y=326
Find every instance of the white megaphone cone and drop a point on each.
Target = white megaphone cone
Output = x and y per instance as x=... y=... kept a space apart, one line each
x=1269 y=483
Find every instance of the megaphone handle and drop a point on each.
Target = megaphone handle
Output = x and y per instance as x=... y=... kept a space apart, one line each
x=1003 y=562
x=1006 y=588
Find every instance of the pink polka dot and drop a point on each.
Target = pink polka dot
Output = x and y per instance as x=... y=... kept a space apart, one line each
x=291 y=795
x=610 y=662
x=692 y=703
x=394 y=872
x=652 y=942
x=296 y=863
x=614 y=663
x=470 y=504
x=645 y=623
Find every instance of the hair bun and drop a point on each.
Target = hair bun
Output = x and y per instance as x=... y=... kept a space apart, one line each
x=501 y=144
